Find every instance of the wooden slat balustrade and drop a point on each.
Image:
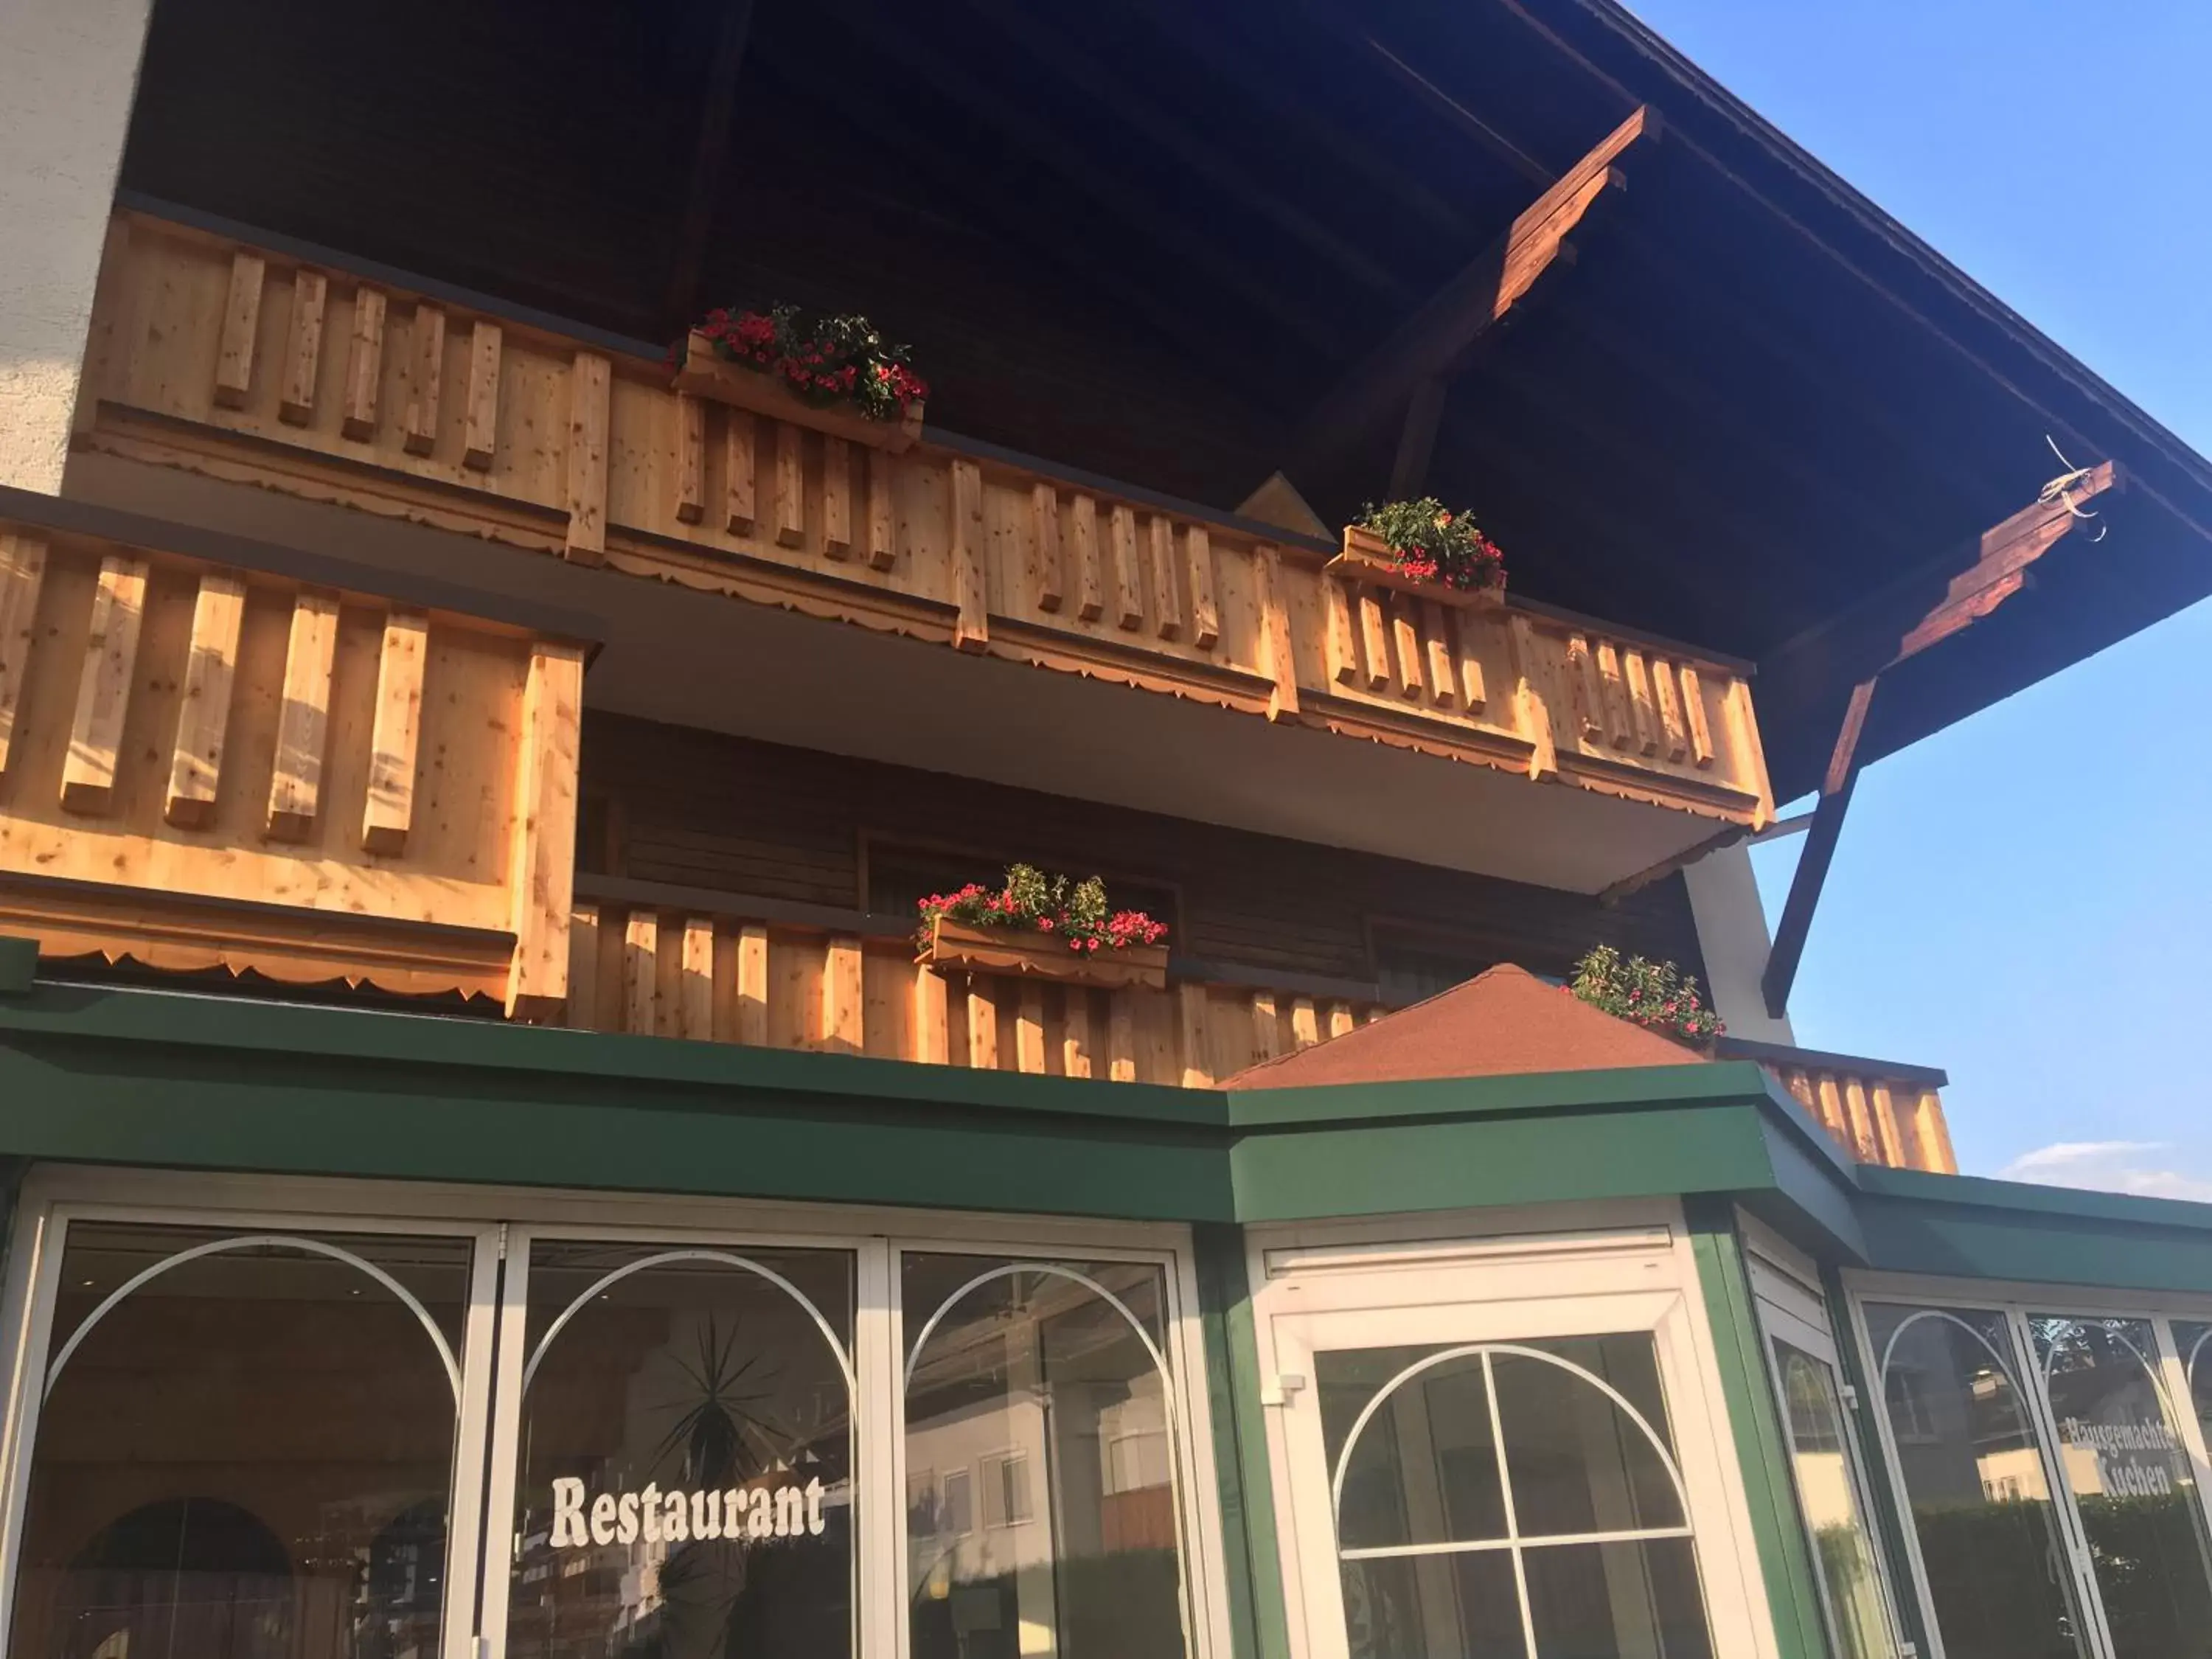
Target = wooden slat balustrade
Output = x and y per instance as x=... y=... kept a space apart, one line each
x=1877 y=1112
x=203 y=766
x=247 y=364
x=725 y=978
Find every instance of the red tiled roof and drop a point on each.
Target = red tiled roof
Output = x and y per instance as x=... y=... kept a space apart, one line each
x=1504 y=1021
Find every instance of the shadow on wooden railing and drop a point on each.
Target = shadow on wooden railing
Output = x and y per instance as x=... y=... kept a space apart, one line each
x=784 y=976
x=286 y=370
x=218 y=754
x=1877 y=1111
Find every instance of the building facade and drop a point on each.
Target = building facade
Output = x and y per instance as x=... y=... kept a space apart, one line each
x=491 y=1166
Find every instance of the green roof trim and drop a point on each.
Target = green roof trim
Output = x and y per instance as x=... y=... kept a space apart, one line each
x=168 y=1078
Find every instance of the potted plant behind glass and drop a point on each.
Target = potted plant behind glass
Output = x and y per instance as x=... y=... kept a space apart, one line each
x=1043 y=924
x=836 y=373
x=1424 y=548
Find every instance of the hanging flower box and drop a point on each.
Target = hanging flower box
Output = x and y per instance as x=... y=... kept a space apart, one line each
x=1419 y=547
x=1043 y=924
x=1025 y=951
x=836 y=375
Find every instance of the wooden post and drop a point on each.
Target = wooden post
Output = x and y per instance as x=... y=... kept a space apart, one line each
x=1082 y=547
x=1128 y=599
x=303 y=723
x=22 y=574
x=932 y=1040
x=241 y=326
x=740 y=472
x=1167 y=600
x=542 y=862
x=1047 y=576
x=103 y=695
x=972 y=631
x=1372 y=644
x=1029 y=1028
x=837 y=498
x=1305 y=1022
x=1121 y=1037
x=790 y=485
x=842 y=992
x=303 y=347
x=426 y=375
x=883 y=537
x=691 y=459
x=397 y=734
x=591 y=390
x=751 y=1025
x=642 y=974
x=582 y=1011
x=1337 y=644
x=1075 y=1054
x=1193 y=1013
x=480 y=409
x=1277 y=659
x=983 y=1025
x=203 y=715
x=364 y=376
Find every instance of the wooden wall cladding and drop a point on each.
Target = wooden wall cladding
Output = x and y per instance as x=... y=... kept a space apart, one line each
x=202 y=767
x=231 y=361
x=724 y=978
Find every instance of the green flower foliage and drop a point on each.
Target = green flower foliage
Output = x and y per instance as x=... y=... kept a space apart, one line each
x=1435 y=544
x=1077 y=911
x=1656 y=995
x=824 y=358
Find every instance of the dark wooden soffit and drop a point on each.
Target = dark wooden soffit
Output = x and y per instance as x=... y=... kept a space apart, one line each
x=710 y=152
x=1431 y=345
x=1869 y=638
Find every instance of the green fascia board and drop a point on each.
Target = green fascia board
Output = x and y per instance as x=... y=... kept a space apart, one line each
x=1635 y=1086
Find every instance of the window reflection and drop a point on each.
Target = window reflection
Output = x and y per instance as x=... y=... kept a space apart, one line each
x=1995 y=1562
x=1495 y=1495
x=685 y=1485
x=248 y=1455
x=2131 y=1481
x=1042 y=1514
x=1827 y=1489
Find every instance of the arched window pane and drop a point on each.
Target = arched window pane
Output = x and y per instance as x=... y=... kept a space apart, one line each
x=2131 y=1481
x=249 y=1456
x=1042 y=1513
x=1579 y=1463
x=1425 y=1467
x=686 y=1480
x=1997 y=1566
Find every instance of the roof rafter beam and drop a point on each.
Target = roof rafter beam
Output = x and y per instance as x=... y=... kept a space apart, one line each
x=710 y=152
x=1434 y=342
x=1872 y=632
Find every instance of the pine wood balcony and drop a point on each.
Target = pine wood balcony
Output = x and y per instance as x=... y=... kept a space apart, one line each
x=655 y=961
x=215 y=754
x=249 y=364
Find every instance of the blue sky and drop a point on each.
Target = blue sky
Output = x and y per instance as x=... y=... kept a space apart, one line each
x=2026 y=900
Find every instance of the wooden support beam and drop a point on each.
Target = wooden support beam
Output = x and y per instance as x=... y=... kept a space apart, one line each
x=1082 y=552
x=750 y=1024
x=695 y=1001
x=1788 y=947
x=843 y=997
x=882 y=529
x=1128 y=594
x=691 y=459
x=1075 y=1050
x=790 y=496
x=1278 y=659
x=1429 y=346
x=930 y=1041
x=396 y=735
x=1417 y=439
x=204 y=713
x=582 y=1011
x=303 y=724
x=740 y=472
x=642 y=974
x=1167 y=597
x=1028 y=1030
x=1121 y=1037
x=22 y=574
x=982 y=1023
x=837 y=498
x=1197 y=571
x=710 y=151
x=1193 y=1013
x=103 y=694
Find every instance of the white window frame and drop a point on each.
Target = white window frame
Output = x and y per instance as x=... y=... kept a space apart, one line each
x=1555 y=1270
x=502 y=1220
x=1790 y=1308
x=2014 y=1301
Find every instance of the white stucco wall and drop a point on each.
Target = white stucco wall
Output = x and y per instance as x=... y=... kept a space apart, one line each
x=1732 y=935
x=68 y=71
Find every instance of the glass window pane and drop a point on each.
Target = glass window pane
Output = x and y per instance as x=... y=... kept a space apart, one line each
x=1579 y=1463
x=1619 y=1600
x=2130 y=1478
x=1041 y=1408
x=250 y=1455
x=1828 y=1489
x=685 y=1489
x=1425 y=1467
x=1433 y=1607
x=1996 y=1565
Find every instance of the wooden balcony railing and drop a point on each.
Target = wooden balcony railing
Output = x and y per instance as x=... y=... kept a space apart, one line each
x=849 y=984
x=1878 y=1112
x=247 y=363
x=214 y=754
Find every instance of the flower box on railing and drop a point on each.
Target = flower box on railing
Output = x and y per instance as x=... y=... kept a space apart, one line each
x=705 y=373
x=1027 y=951
x=1367 y=558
